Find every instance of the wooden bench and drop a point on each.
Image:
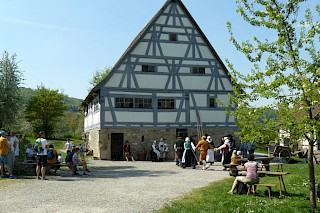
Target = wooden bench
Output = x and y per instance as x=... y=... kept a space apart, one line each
x=28 y=167
x=268 y=185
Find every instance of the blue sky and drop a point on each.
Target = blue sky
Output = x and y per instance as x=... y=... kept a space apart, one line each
x=61 y=43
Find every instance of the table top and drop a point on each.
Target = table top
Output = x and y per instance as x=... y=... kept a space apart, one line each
x=272 y=173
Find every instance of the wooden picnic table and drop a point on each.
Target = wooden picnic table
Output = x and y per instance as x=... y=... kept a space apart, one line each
x=280 y=179
x=280 y=166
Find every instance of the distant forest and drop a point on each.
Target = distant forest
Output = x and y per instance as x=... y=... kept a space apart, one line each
x=72 y=103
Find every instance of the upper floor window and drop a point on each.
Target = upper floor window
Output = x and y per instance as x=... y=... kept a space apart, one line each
x=165 y=103
x=148 y=68
x=173 y=37
x=124 y=102
x=212 y=103
x=145 y=103
x=199 y=70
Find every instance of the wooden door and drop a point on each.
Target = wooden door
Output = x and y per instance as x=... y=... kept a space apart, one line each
x=116 y=146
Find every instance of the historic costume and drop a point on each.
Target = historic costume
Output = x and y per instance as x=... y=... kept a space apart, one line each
x=203 y=146
x=189 y=158
x=178 y=147
x=155 y=150
x=224 y=149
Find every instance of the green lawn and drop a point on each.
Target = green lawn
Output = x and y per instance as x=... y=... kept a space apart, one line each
x=215 y=198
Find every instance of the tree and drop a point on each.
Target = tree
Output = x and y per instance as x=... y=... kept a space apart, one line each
x=99 y=75
x=10 y=80
x=44 y=110
x=285 y=69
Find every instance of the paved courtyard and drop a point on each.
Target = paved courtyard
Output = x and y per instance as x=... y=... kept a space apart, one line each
x=113 y=186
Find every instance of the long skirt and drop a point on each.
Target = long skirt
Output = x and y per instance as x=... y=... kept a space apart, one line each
x=189 y=158
x=226 y=157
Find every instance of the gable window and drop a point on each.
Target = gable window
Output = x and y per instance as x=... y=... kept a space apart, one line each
x=212 y=103
x=124 y=102
x=143 y=103
x=173 y=37
x=148 y=68
x=165 y=103
x=199 y=70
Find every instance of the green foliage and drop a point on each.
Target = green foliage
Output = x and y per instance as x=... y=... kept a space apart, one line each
x=10 y=80
x=99 y=75
x=214 y=198
x=44 y=110
x=286 y=69
x=72 y=103
x=70 y=125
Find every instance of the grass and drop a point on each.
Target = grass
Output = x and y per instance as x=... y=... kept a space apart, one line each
x=214 y=198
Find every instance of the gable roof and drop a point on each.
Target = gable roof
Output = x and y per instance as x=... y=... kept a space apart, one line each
x=137 y=39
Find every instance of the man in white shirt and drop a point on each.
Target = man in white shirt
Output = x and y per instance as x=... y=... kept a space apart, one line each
x=41 y=155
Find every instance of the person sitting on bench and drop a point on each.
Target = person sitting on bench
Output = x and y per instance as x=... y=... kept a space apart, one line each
x=252 y=174
x=77 y=162
x=53 y=160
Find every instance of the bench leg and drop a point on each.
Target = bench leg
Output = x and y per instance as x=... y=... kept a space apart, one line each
x=269 y=191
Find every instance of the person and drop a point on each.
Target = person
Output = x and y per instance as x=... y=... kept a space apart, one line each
x=234 y=158
x=189 y=158
x=210 y=152
x=82 y=151
x=68 y=145
x=244 y=149
x=30 y=153
x=165 y=151
x=155 y=150
x=178 y=147
x=4 y=151
x=12 y=146
x=252 y=174
x=232 y=142
x=69 y=163
x=252 y=147
x=53 y=162
x=127 y=151
x=41 y=156
x=203 y=146
x=17 y=147
x=77 y=162
x=224 y=150
x=161 y=148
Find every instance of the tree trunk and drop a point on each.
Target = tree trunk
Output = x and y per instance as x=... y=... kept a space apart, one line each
x=312 y=178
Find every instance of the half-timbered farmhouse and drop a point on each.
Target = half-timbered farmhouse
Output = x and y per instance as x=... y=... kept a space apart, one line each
x=166 y=83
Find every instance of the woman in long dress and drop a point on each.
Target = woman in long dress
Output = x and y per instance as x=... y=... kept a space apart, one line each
x=188 y=158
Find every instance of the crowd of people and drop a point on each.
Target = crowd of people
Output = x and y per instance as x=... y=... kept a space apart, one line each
x=47 y=158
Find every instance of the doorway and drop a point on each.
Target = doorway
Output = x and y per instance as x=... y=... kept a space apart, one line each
x=116 y=146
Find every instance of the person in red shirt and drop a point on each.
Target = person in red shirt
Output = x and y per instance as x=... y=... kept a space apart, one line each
x=127 y=151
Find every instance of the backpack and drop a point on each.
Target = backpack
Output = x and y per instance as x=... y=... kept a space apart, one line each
x=242 y=188
x=38 y=146
x=69 y=157
x=50 y=154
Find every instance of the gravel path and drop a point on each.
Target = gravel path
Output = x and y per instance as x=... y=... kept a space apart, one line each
x=111 y=187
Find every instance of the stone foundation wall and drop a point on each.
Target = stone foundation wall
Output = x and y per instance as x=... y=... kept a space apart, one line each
x=141 y=140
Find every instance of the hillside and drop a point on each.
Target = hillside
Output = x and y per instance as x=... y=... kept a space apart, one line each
x=72 y=103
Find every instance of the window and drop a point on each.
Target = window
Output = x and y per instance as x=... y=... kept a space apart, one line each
x=148 y=68
x=144 y=103
x=165 y=103
x=124 y=102
x=212 y=102
x=199 y=70
x=173 y=37
x=96 y=106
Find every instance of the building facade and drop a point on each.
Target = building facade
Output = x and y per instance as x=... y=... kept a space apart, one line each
x=167 y=83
